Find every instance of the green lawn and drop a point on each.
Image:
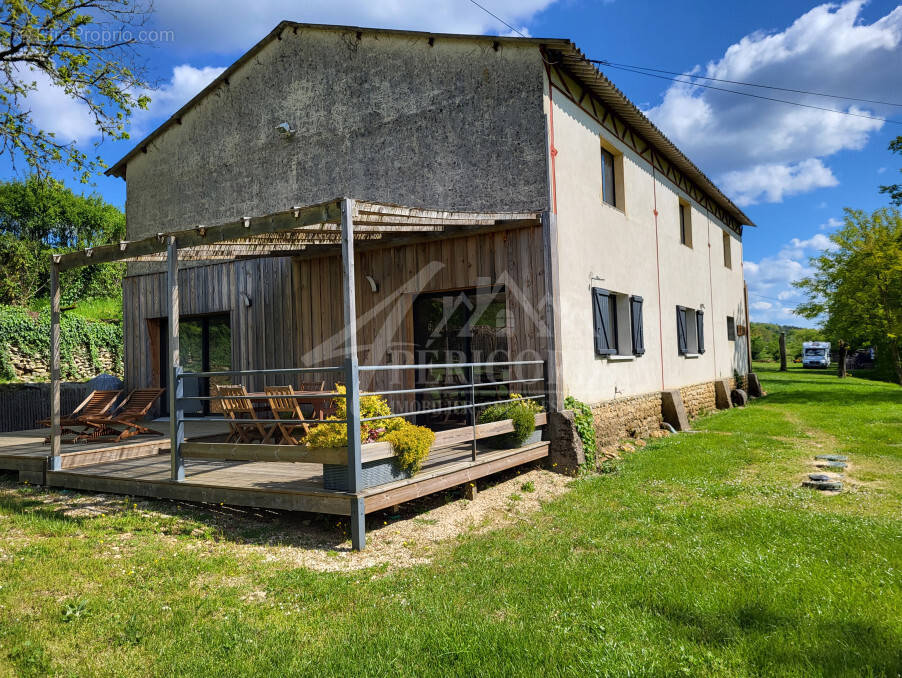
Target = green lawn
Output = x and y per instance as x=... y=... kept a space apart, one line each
x=697 y=555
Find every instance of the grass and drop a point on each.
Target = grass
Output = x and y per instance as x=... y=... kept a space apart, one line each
x=97 y=310
x=698 y=555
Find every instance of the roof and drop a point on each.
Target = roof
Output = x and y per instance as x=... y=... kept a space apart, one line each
x=312 y=230
x=573 y=59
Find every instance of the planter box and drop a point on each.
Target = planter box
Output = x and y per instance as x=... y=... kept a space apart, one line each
x=508 y=441
x=378 y=472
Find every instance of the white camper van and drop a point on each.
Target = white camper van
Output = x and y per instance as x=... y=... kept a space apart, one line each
x=816 y=354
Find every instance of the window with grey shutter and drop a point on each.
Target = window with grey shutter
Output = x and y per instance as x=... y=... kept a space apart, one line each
x=636 y=325
x=681 y=330
x=700 y=330
x=604 y=311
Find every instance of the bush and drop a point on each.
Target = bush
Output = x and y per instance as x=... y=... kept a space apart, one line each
x=521 y=411
x=410 y=443
x=585 y=427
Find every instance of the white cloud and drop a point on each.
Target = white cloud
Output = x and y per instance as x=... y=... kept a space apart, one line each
x=186 y=81
x=831 y=224
x=772 y=297
x=881 y=170
x=770 y=182
x=52 y=110
x=228 y=26
x=765 y=151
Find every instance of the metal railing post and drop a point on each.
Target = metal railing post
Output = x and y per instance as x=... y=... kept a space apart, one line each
x=176 y=425
x=473 y=407
x=352 y=381
x=54 y=462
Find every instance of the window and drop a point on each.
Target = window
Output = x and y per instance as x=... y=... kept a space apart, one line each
x=608 y=178
x=731 y=328
x=727 y=253
x=618 y=324
x=685 y=224
x=690 y=331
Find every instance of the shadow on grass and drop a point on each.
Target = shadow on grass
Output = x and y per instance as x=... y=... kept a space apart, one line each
x=837 y=646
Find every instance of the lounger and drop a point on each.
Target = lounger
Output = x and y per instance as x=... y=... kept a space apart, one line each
x=97 y=404
x=124 y=422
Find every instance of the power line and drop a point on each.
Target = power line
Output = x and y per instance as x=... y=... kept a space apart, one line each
x=749 y=94
x=490 y=13
x=746 y=84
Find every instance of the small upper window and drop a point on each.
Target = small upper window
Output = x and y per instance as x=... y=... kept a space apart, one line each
x=727 y=250
x=608 y=178
x=731 y=328
x=685 y=224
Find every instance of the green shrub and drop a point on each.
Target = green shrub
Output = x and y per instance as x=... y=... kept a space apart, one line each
x=585 y=427
x=29 y=332
x=521 y=411
x=411 y=445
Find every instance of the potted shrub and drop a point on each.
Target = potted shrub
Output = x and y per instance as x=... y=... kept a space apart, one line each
x=410 y=443
x=522 y=412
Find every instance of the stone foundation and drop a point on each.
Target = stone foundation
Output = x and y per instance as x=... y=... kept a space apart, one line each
x=699 y=398
x=631 y=417
x=31 y=368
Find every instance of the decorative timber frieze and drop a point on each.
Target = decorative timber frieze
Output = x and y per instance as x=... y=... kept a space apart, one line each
x=582 y=96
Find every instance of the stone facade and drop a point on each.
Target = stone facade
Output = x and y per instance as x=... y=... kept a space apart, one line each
x=699 y=398
x=631 y=417
x=36 y=368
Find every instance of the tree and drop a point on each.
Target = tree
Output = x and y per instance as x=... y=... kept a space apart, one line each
x=40 y=216
x=83 y=49
x=857 y=284
x=894 y=190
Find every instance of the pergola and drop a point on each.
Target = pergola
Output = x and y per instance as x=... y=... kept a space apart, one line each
x=341 y=224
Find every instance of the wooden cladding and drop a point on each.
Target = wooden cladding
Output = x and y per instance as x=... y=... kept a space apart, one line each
x=288 y=312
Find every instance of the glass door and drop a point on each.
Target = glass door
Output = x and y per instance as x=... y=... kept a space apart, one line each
x=205 y=345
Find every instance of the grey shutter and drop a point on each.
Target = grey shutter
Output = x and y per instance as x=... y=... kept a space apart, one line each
x=681 y=330
x=604 y=331
x=636 y=325
x=700 y=328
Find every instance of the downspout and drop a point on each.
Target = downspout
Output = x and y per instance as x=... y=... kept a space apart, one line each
x=552 y=151
x=654 y=189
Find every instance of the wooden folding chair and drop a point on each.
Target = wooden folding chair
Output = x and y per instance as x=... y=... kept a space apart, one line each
x=285 y=407
x=236 y=407
x=313 y=385
x=124 y=422
x=95 y=405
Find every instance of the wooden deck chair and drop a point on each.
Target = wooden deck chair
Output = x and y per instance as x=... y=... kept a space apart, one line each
x=123 y=423
x=95 y=405
x=234 y=409
x=285 y=407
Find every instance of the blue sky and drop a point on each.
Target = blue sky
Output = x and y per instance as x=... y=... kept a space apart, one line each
x=791 y=169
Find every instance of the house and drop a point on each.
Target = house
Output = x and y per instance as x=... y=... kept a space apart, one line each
x=551 y=238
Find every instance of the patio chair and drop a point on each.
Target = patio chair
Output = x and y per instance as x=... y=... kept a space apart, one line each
x=286 y=407
x=236 y=406
x=123 y=423
x=95 y=405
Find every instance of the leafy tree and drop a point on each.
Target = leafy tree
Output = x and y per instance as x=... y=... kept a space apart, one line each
x=83 y=48
x=40 y=216
x=858 y=283
x=894 y=190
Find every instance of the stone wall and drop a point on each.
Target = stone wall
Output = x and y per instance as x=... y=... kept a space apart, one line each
x=632 y=417
x=36 y=368
x=698 y=398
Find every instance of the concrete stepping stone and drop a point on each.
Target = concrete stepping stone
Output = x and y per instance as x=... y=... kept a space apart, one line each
x=839 y=465
x=827 y=485
x=832 y=457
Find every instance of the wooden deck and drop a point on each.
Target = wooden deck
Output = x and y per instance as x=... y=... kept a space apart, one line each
x=141 y=468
